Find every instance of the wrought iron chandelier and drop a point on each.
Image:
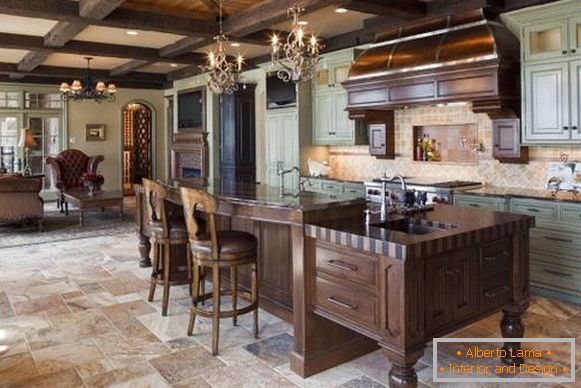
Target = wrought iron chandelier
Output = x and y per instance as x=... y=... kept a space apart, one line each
x=223 y=74
x=300 y=51
x=87 y=89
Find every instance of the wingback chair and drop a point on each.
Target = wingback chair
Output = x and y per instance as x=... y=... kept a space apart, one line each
x=66 y=169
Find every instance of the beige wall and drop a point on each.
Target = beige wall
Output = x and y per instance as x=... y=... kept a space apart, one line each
x=355 y=162
x=109 y=113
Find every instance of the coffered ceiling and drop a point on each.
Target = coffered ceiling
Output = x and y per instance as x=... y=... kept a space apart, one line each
x=149 y=43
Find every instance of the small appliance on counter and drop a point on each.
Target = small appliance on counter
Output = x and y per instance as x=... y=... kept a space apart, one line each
x=318 y=169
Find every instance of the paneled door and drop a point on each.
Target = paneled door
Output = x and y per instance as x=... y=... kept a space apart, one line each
x=282 y=145
x=9 y=137
x=546 y=103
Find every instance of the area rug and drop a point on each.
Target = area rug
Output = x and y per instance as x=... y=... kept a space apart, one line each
x=58 y=227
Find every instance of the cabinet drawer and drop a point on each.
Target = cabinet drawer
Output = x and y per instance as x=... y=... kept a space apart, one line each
x=312 y=185
x=354 y=189
x=556 y=278
x=538 y=209
x=571 y=213
x=347 y=303
x=494 y=289
x=348 y=265
x=494 y=258
x=476 y=202
x=330 y=187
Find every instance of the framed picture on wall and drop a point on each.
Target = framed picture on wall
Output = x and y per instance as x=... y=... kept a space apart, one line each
x=95 y=132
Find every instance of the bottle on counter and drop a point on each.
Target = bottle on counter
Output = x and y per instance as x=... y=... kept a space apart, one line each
x=419 y=150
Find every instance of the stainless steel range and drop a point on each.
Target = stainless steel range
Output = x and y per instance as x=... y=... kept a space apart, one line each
x=436 y=191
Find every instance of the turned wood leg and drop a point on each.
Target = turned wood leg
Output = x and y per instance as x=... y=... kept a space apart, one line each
x=402 y=373
x=512 y=327
x=215 y=309
x=195 y=295
x=144 y=247
x=154 y=271
x=166 y=272
x=234 y=288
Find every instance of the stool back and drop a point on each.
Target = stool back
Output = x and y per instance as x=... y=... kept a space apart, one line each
x=155 y=210
x=191 y=200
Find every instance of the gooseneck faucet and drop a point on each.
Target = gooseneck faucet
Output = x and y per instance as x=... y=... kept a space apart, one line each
x=281 y=172
x=385 y=196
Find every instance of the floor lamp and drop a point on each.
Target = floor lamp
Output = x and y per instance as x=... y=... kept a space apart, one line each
x=26 y=143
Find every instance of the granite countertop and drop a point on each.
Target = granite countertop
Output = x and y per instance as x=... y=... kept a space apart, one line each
x=267 y=196
x=516 y=192
x=451 y=227
x=326 y=178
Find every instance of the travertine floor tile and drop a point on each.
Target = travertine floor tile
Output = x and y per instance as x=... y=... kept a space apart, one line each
x=186 y=365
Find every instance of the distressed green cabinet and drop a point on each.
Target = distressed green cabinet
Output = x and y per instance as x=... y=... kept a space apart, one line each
x=481 y=202
x=333 y=187
x=282 y=145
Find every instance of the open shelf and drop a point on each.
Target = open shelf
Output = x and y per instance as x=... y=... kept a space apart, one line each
x=453 y=143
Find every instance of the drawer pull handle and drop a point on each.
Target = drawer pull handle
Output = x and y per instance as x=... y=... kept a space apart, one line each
x=552 y=272
x=336 y=301
x=533 y=210
x=342 y=265
x=558 y=239
x=473 y=205
x=495 y=292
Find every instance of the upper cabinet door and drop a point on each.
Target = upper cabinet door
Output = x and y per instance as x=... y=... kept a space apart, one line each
x=546 y=40
x=575 y=36
x=506 y=138
x=546 y=103
x=344 y=127
x=323 y=131
x=576 y=100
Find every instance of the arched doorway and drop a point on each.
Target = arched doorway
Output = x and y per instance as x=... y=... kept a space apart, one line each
x=137 y=145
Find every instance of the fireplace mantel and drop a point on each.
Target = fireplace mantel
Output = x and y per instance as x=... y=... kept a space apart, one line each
x=189 y=157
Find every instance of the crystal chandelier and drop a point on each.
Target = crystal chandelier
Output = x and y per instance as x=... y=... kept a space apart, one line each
x=223 y=74
x=87 y=89
x=300 y=51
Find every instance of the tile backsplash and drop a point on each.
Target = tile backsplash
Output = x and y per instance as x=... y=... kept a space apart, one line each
x=355 y=163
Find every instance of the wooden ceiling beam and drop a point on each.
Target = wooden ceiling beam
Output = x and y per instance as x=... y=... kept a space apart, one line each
x=33 y=59
x=27 y=42
x=66 y=10
x=402 y=9
x=63 y=32
x=183 y=46
x=52 y=81
x=129 y=67
x=97 y=9
x=268 y=13
x=212 y=5
x=185 y=72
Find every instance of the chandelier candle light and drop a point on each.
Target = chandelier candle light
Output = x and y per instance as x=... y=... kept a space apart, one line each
x=223 y=74
x=87 y=89
x=300 y=52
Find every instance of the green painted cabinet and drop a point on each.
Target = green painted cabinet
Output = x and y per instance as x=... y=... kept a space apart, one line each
x=333 y=187
x=498 y=204
x=282 y=145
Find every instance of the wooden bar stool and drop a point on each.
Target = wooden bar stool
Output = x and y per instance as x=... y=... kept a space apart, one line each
x=216 y=250
x=165 y=233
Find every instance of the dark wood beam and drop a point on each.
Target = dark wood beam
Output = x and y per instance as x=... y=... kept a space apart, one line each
x=62 y=32
x=129 y=67
x=511 y=5
x=27 y=42
x=33 y=59
x=185 y=72
x=267 y=13
x=402 y=9
x=212 y=5
x=54 y=81
x=66 y=10
x=183 y=46
x=97 y=9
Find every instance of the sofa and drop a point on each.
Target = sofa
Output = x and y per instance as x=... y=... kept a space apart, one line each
x=66 y=168
x=20 y=200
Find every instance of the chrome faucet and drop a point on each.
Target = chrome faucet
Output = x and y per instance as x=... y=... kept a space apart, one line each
x=385 y=205
x=401 y=179
x=281 y=172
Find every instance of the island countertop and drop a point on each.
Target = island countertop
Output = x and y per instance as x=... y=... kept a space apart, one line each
x=267 y=196
x=451 y=227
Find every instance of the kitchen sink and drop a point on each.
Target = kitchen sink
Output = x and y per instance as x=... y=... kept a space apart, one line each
x=405 y=225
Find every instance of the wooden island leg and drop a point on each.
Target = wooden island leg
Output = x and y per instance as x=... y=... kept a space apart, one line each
x=402 y=373
x=512 y=327
x=144 y=249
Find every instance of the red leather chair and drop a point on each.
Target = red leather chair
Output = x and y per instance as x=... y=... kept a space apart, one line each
x=66 y=169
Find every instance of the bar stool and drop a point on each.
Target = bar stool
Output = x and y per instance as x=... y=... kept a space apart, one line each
x=165 y=233
x=216 y=250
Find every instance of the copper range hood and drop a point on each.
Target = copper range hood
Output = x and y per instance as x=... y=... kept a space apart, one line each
x=456 y=58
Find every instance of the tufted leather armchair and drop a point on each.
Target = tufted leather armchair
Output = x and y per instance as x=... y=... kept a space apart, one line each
x=66 y=169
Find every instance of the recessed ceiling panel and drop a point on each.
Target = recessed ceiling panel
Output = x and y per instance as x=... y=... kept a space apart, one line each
x=72 y=60
x=12 y=56
x=247 y=50
x=326 y=22
x=127 y=37
x=161 y=68
x=25 y=26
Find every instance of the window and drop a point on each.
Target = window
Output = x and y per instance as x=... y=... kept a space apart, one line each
x=9 y=100
x=43 y=100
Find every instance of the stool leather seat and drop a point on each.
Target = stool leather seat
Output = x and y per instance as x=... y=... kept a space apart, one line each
x=229 y=242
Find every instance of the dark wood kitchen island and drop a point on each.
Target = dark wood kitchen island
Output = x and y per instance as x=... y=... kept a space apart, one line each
x=348 y=287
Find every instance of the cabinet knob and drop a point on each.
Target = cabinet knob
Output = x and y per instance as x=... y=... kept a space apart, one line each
x=573 y=51
x=574 y=127
x=565 y=128
x=565 y=52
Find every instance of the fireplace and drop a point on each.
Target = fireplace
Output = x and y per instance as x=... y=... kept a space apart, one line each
x=190 y=157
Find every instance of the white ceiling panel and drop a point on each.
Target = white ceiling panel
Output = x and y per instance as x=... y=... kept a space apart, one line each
x=25 y=26
x=12 y=56
x=161 y=68
x=72 y=60
x=120 y=36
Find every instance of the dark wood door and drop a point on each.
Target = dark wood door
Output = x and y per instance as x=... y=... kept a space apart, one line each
x=237 y=135
x=377 y=139
x=506 y=141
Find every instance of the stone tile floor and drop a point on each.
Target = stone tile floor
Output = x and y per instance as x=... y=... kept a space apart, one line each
x=74 y=313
